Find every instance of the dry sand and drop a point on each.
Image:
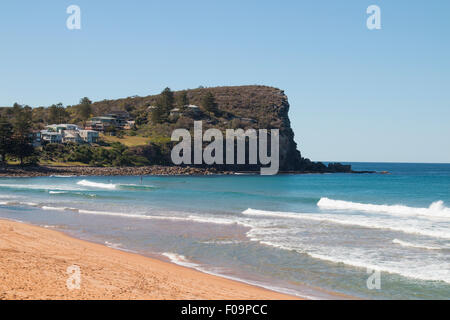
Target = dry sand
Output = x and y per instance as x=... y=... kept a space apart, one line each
x=34 y=262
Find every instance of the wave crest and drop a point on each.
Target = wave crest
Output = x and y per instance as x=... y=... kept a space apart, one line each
x=435 y=210
x=414 y=245
x=91 y=184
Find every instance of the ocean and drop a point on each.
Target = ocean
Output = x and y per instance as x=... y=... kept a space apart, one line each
x=311 y=235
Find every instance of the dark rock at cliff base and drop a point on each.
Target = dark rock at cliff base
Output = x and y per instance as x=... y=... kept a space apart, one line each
x=338 y=167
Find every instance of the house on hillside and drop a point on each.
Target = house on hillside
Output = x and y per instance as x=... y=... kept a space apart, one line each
x=71 y=136
x=175 y=112
x=61 y=127
x=36 y=138
x=130 y=125
x=100 y=123
x=65 y=133
x=89 y=136
x=193 y=111
x=51 y=136
x=194 y=108
x=121 y=117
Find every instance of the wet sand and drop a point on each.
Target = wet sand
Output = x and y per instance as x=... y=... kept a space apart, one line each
x=34 y=264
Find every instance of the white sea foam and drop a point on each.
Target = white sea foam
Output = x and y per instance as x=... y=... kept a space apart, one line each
x=62 y=176
x=18 y=203
x=367 y=222
x=92 y=184
x=180 y=260
x=435 y=210
x=117 y=246
x=115 y=214
x=191 y=218
x=112 y=186
x=58 y=208
x=216 y=220
x=429 y=268
x=155 y=217
x=275 y=214
x=4 y=196
x=112 y=244
x=422 y=272
x=31 y=204
x=414 y=245
x=226 y=242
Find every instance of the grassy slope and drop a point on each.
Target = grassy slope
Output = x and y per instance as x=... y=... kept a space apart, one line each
x=129 y=141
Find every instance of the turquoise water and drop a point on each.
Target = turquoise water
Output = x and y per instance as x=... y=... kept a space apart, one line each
x=303 y=234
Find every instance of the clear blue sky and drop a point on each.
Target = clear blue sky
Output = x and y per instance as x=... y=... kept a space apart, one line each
x=355 y=94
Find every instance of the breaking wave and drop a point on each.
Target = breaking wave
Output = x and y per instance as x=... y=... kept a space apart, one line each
x=414 y=245
x=91 y=184
x=435 y=210
x=112 y=186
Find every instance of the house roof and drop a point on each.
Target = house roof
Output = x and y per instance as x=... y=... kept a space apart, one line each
x=70 y=132
x=50 y=133
x=61 y=125
x=87 y=131
x=103 y=118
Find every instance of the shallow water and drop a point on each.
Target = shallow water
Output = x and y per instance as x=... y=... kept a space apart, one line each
x=293 y=233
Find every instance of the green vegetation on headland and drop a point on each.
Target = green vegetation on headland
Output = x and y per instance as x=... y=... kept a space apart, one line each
x=136 y=131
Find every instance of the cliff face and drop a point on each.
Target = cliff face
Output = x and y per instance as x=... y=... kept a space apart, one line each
x=257 y=107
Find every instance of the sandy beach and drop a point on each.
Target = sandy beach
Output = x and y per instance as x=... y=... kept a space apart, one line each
x=34 y=264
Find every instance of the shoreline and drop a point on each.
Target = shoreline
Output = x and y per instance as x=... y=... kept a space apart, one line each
x=156 y=170
x=35 y=260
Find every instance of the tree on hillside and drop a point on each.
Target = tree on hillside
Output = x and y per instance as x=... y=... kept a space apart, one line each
x=22 y=116
x=58 y=114
x=209 y=103
x=183 y=100
x=141 y=118
x=85 y=108
x=6 y=138
x=164 y=104
x=167 y=99
x=159 y=114
x=22 y=132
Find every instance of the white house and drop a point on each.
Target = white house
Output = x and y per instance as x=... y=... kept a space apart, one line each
x=50 y=136
x=62 y=127
x=175 y=112
x=71 y=136
x=89 y=136
x=63 y=133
